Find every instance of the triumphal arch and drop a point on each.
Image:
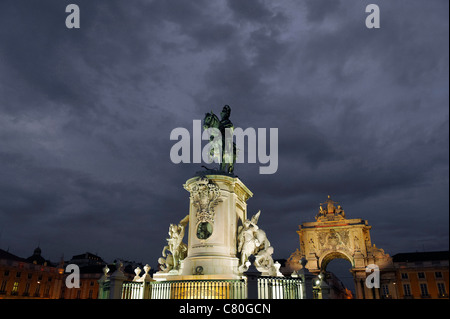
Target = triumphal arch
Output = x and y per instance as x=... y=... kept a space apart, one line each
x=334 y=236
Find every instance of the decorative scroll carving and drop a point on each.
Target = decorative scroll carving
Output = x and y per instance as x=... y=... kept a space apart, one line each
x=295 y=257
x=205 y=196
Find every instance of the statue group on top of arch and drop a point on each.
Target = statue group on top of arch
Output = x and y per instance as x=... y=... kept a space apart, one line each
x=328 y=211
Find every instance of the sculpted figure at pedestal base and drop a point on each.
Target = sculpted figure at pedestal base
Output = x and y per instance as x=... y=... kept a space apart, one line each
x=176 y=247
x=253 y=241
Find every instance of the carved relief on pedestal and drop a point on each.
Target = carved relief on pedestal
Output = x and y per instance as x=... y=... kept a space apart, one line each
x=204 y=195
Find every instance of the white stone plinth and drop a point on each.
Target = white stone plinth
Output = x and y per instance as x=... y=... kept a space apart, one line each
x=217 y=202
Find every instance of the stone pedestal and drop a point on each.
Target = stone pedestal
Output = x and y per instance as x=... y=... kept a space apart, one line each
x=116 y=282
x=217 y=202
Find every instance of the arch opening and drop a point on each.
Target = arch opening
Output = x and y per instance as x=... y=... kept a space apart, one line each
x=337 y=269
x=332 y=256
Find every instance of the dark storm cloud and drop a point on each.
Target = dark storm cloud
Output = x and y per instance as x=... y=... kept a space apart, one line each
x=85 y=117
x=253 y=10
x=318 y=10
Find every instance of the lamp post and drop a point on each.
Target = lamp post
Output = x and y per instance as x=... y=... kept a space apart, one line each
x=321 y=290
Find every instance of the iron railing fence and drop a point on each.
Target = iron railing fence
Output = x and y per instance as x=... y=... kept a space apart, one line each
x=268 y=288
x=279 y=288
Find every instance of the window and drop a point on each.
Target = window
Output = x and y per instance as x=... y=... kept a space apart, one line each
x=47 y=291
x=30 y=275
x=385 y=290
x=3 y=287
x=404 y=275
x=18 y=274
x=438 y=274
x=37 y=291
x=423 y=290
x=441 y=289
x=15 y=289
x=406 y=289
x=27 y=288
x=421 y=275
x=6 y=272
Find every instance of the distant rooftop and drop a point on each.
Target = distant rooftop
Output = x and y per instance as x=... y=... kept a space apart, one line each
x=421 y=256
x=88 y=255
x=36 y=258
x=8 y=256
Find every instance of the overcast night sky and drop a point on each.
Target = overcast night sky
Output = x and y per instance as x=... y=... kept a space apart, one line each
x=86 y=114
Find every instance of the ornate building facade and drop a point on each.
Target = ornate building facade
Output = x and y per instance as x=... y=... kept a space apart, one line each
x=29 y=278
x=333 y=236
